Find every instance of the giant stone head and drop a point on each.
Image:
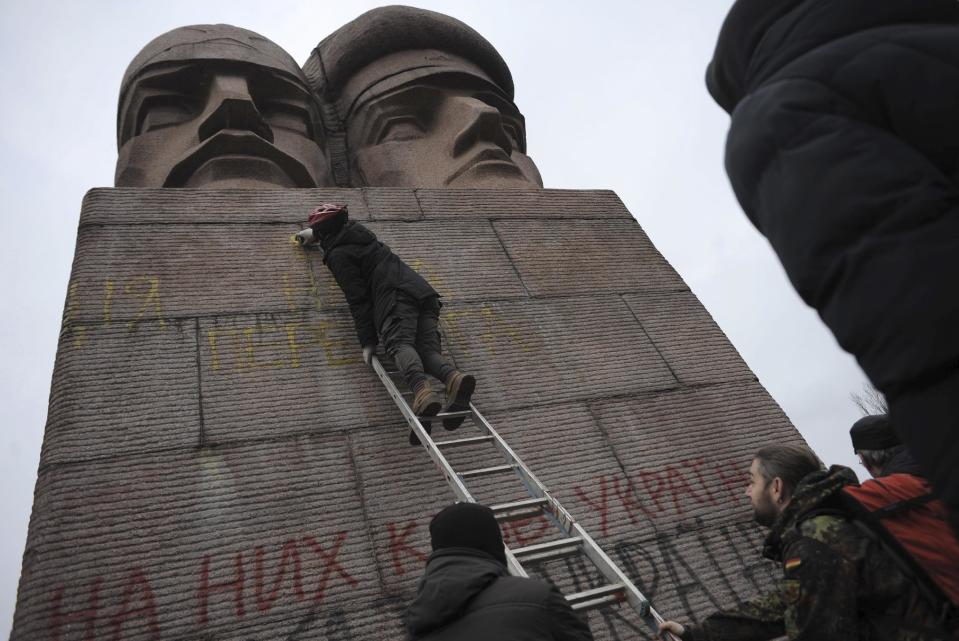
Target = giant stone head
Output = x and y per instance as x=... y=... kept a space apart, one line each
x=424 y=100
x=217 y=106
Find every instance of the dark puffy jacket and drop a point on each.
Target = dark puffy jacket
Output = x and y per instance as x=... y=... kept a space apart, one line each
x=844 y=151
x=370 y=274
x=466 y=595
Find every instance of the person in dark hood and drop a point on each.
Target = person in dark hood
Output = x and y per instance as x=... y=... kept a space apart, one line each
x=388 y=299
x=467 y=593
x=838 y=582
x=843 y=150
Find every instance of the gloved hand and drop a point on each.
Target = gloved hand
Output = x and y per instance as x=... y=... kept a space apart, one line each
x=368 y=351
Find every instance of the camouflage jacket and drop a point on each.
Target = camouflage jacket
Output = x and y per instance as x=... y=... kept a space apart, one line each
x=838 y=582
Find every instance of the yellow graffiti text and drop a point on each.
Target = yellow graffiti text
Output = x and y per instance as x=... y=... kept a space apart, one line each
x=274 y=346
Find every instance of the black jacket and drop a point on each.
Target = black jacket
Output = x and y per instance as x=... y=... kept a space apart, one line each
x=370 y=275
x=844 y=151
x=901 y=463
x=466 y=595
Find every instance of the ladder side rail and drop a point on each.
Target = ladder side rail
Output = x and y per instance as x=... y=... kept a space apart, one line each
x=613 y=574
x=458 y=487
x=563 y=519
x=452 y=478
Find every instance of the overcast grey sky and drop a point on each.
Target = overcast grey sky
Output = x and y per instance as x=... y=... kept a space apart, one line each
x=614 y=98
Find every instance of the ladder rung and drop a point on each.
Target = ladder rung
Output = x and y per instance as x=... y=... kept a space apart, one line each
x=484 y=471
x=518 y=509
x=548 y=550
x=461 y=441
x=455 y=414
x=597 y=597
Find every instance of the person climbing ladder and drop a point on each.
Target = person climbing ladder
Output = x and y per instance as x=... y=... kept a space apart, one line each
x=390 y=301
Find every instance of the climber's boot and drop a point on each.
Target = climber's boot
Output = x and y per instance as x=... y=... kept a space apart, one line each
x=426 y=402
x=459 y=390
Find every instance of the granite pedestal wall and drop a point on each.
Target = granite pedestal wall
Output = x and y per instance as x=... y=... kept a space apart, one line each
x=219 y=464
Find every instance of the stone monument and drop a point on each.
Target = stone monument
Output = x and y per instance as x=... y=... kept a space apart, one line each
x=218 y=463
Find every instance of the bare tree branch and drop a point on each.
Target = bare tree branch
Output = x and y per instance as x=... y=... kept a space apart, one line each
x=870 y=400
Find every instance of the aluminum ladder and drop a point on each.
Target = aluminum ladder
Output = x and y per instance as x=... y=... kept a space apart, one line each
x=574 y=539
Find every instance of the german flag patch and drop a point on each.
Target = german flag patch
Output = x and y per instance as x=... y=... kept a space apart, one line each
x=792 y=564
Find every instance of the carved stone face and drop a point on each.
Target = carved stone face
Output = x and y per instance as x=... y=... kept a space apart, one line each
x=440 y=132
x=221 y=120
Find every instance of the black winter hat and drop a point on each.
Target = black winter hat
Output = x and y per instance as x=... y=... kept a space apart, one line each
x=874 y=432
x=468 y=525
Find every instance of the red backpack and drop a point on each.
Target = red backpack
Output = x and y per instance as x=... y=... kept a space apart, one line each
x=912 y=522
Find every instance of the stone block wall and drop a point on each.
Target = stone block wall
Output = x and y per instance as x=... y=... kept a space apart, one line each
x=218 y=464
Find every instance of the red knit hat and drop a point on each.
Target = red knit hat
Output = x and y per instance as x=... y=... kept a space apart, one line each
x=325 y=212
x=328 y=218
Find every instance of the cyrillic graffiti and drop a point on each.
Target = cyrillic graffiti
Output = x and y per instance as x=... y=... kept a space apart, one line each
x=662 y=492
x=495 y=328
x=275 y=346
x=301 y=571
x=244 y=588
x=140 y=292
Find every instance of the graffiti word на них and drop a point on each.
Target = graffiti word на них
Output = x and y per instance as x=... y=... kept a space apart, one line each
x=137 y=609
x=266 y=590
x=254 y=579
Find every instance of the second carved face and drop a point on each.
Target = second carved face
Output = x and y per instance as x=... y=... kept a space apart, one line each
x=423 y=100
x=443 y=131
